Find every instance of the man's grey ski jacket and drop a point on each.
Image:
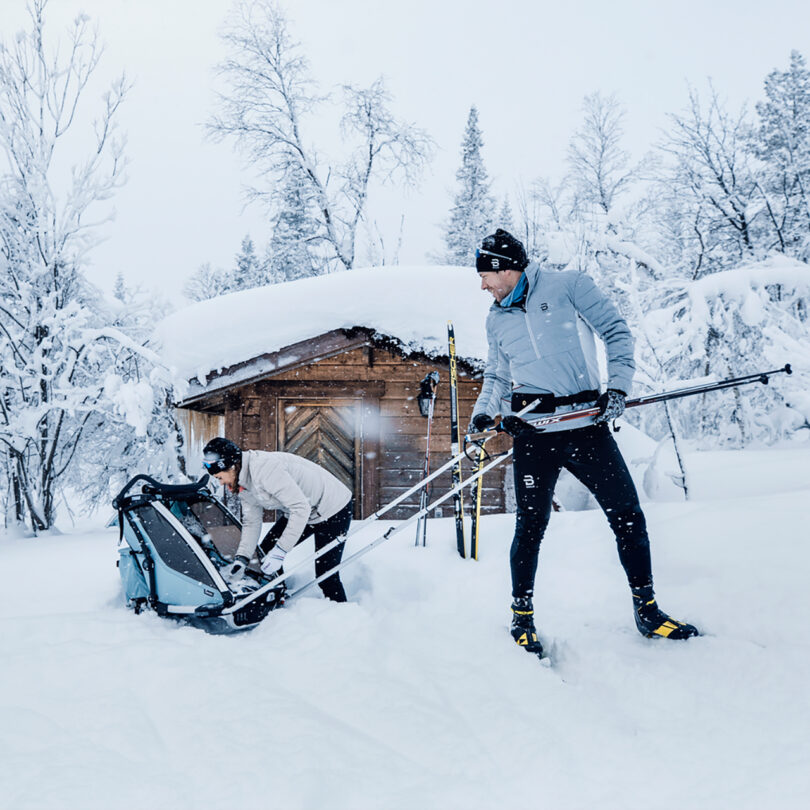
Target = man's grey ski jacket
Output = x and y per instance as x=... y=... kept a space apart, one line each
x=547 y=346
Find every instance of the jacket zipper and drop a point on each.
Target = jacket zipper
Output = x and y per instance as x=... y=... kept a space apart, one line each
x=531 y=334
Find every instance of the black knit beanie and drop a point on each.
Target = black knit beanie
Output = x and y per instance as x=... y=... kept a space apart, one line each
x=500 y=251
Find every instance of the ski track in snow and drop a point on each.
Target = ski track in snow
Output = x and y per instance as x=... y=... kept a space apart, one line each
x=413 y=695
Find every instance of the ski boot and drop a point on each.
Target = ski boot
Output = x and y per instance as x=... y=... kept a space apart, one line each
x=653 y=622
x=522 y=630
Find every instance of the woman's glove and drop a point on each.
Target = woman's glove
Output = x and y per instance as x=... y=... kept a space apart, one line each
x=235 y=571
x=611 y=406
x=273 y=560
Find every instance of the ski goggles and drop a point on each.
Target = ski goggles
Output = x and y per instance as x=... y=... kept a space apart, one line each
x=215 y=463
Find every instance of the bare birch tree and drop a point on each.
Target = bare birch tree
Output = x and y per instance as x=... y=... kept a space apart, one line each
x=710 y=174
x=598 y=167
x=265 y=107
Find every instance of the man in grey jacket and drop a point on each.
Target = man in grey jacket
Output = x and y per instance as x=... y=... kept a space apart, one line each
x=541 y=334
x=312 y=502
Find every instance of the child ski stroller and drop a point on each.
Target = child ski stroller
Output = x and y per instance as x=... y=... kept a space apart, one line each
x=173 y=541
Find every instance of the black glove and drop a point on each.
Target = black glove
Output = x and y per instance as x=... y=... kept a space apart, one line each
x=611 y=405
x=515 y=426
x=481 y=422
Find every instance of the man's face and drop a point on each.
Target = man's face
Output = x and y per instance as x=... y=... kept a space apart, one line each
x=499 y=283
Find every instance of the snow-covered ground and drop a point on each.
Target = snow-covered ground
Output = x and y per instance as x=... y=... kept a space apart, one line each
x=413 y=695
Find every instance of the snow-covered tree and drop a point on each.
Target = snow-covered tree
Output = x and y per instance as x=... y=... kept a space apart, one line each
x=120 y=290
x=133 y=429
x=265 y=105
x=473 y=212
x=599 y=168
x=48 y=343
x=248 y=271
x=782 y=143
x=539 y=210
x=58 y=350
x=290 y=253
x=206 y=282
x=505 y=218
x=747 y=319
x=709 y=174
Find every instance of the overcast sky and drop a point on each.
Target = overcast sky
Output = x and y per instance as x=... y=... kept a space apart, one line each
x=527 y=66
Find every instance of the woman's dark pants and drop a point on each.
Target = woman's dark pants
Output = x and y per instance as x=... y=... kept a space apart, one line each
x=324 y=533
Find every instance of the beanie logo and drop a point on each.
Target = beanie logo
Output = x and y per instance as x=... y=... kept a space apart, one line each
x=544 y=306
x=496 y=263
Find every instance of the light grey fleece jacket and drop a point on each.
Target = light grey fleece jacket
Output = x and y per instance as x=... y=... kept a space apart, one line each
x=303 y=491
x=548 y=345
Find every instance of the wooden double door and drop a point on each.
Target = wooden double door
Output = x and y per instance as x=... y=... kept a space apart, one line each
x=328 y=433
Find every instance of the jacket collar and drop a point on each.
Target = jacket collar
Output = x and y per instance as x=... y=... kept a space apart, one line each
x=532 y=276
x=244 y=475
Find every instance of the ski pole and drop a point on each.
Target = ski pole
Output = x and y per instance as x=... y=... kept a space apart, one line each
x=761 y=377
x=479 y=437
x=358 y=525
x=396 y=529
x=427 y=402
x=540 y=422
x=355 y=527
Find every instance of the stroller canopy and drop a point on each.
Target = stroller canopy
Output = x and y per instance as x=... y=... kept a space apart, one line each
x=173 y=541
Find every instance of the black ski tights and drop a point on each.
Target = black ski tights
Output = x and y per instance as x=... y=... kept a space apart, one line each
x=590 y=454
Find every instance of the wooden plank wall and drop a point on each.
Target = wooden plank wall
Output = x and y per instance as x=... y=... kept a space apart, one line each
x=394 y=432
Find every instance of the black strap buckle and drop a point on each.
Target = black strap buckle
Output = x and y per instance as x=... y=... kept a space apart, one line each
x=543 y=403
x=547 y=403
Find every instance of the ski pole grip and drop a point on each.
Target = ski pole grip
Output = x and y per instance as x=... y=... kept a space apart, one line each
x=764 y=379
x=485 y=435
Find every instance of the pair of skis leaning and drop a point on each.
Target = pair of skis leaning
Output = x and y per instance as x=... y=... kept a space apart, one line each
x=457 y=472
x=539 y=423
x=426 y=400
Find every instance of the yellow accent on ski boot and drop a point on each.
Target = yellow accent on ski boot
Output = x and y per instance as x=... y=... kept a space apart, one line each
x=653 y=622
x=522 y=630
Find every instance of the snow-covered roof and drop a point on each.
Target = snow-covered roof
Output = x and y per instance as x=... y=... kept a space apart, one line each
x=410 y=304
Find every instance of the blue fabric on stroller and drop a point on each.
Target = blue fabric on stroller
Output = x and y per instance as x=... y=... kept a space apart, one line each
x=173 y=541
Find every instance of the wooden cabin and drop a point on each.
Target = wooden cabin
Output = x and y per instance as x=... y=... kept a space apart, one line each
x=347 y=400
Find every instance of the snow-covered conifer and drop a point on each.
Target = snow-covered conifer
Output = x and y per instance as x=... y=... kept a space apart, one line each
x=505 y=218
x=473 y=213
x=291 y=252
x=247 y=272
x=120 y=290
x=782 y=143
